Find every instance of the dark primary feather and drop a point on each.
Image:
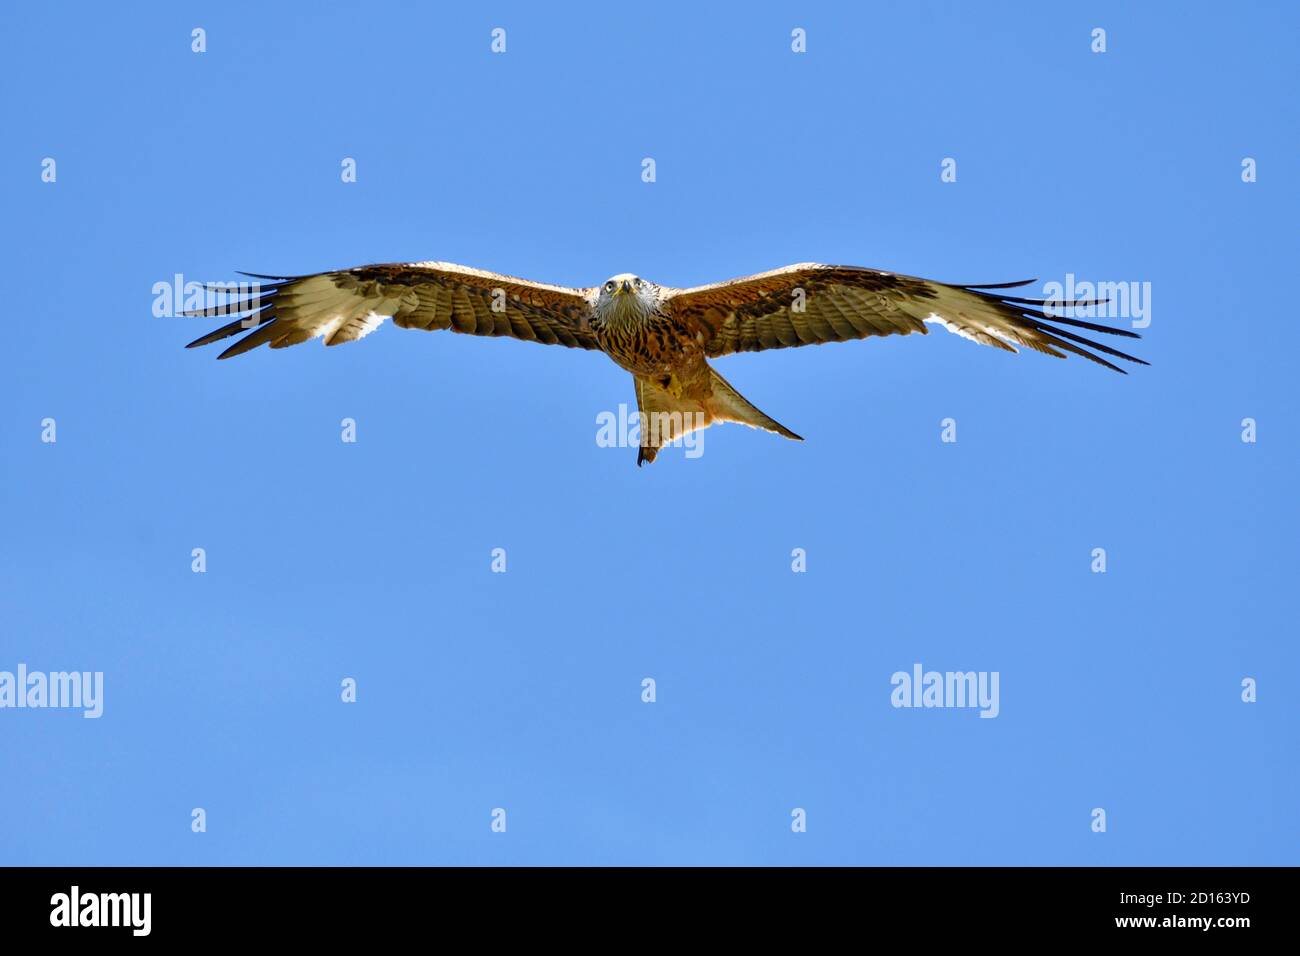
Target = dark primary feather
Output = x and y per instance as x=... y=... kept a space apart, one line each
x=234 y=328
x=994 y=285
x=1045 y=323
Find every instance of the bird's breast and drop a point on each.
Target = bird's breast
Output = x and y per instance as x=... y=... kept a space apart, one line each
x=644 y=345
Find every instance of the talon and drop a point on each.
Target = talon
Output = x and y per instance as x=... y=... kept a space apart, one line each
x=671 y=385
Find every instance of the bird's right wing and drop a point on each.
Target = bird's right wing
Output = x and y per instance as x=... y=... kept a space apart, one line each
x=347 y=305
x=809 y=303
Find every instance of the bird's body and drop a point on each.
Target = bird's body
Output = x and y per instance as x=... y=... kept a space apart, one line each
x=635 y=327
x=663 y=336
x=639 y=335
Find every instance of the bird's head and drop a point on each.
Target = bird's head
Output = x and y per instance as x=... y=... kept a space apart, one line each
x=626 y=294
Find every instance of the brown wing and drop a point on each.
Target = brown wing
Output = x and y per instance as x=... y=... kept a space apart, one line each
x=345 y=306
x=808 y=304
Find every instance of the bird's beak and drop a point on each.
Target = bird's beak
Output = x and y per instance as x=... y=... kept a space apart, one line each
x=625 y=287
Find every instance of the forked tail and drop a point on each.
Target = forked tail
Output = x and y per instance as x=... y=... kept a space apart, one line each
x=665 y=418
x=728 y=405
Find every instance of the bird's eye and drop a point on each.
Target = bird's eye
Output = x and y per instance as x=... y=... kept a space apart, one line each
x=609 y=286
x=638 y=283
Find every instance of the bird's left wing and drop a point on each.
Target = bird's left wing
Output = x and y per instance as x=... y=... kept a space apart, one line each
x=347 y=305
x=809 y=303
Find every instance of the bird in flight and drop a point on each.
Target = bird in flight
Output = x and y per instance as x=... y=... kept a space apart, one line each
x=663 y=336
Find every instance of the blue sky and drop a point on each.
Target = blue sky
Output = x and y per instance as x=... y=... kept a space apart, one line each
x=522 y=690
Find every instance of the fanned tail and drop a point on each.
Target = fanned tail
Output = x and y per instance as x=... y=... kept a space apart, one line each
x=728 y=405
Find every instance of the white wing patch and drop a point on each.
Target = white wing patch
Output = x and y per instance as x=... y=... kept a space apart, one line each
x=319 y=308
x=965 y=333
